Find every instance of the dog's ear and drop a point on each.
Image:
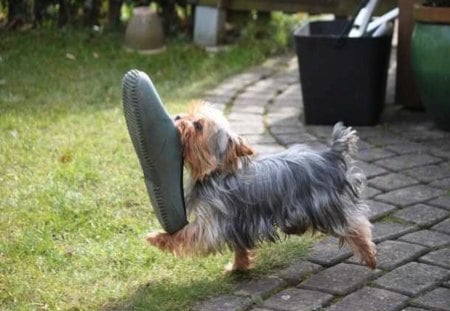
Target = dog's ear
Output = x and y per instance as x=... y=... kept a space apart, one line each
x=237 y=149
x=243 y=149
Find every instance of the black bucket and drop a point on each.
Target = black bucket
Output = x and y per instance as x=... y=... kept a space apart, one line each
x=342 y=79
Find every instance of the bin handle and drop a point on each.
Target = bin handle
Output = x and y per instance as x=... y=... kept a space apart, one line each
x=340 y=42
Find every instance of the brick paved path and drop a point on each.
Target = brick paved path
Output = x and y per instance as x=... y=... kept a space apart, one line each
x=407 y=163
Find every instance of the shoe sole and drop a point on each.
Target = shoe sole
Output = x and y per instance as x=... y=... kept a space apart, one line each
x=158 y=147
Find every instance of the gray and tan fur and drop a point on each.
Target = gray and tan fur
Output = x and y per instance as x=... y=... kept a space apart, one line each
x=243 y=203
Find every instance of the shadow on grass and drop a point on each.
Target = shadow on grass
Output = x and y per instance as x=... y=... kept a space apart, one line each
x=158 y=295
x=166 y=295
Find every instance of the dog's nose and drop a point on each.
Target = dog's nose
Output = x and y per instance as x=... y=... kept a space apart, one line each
x=177 y=117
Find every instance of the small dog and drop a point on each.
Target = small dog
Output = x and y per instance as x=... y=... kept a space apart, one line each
x=239 y=200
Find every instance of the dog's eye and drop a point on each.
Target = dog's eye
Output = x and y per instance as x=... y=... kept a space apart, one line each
x=198 y=126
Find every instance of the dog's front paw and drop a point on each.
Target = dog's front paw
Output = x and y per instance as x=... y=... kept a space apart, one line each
x=157 y=239
x=232 y=267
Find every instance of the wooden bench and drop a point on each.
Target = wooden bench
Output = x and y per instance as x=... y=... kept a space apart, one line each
x=210 y=15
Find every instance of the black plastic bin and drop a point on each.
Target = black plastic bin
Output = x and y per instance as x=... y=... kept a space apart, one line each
x=342 y=79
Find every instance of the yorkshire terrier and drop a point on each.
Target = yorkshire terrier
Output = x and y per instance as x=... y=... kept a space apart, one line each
x=240 y=200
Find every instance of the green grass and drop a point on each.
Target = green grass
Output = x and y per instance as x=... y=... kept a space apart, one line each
x=73 y=207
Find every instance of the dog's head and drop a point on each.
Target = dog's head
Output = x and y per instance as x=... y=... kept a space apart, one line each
x=208 y=143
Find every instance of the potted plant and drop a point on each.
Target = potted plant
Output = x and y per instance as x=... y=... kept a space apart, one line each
x=430 y=55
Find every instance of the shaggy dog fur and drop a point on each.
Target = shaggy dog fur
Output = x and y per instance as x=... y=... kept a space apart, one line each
x=239 y=200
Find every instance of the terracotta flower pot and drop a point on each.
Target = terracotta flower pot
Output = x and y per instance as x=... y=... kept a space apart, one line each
x=430 y=56
x=144 y=31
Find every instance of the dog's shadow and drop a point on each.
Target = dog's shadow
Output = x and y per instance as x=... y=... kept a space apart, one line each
x=165 y=294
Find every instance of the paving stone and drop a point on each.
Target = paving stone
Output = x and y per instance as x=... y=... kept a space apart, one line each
x=410 y=195
x=247 y=128
x=297 y=272
x=392 y=181
x=437 y=299
x=268 y=91
x=443 y=202
x=220 y=98
x=260 y=139
x=285 y=80
x=370 y=299
x=278 y=129
x=340 y=279
x=441 y=183
x=268 y=149
x=443 y=226
x=250 y=76
x=389 y=230
x=363 y=145
x=422 y=215
x=369 y=131
x=248 y=109
x=404 y=119
x=444 y=151
x=291 y=101
x=373 y=154
x=378 y=210
x=370 y=170
x=440 y=152
x=446 y=284
x=260 y=288
x=275 y=118
x=369 y=192
x=259 y=88
x=254 y=97
x=424 y=134
x=327 y=252
x=294 y=138
x=221 y=90
x=391 y=254
x=412 y=278
x=407 y=147
x=414 y=309
x=294 y=299
x=218 y=106
x=427 y=238
x=285 y=110
x=321 y=131
x=407 y=161
x=245 y=117
x=225 y=303
x=384 y=139
x=428 y=173
x=259 y=101
x=314 y=145
x=439 y=258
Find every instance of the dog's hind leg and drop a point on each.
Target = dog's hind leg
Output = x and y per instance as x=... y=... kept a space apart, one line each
x=359 y=237
x=242 y=260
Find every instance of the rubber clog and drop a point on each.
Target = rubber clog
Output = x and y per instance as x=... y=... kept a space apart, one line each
x=158 y=147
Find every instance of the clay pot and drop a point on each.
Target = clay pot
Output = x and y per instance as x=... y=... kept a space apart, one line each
x=144 y=31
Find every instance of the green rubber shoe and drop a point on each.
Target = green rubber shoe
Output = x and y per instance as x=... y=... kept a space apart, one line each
x=158 y=147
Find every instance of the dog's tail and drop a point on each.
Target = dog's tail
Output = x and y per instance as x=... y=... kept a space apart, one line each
x=344 y=140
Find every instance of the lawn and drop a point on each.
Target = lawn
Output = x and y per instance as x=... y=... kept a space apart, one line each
x=73 y=207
